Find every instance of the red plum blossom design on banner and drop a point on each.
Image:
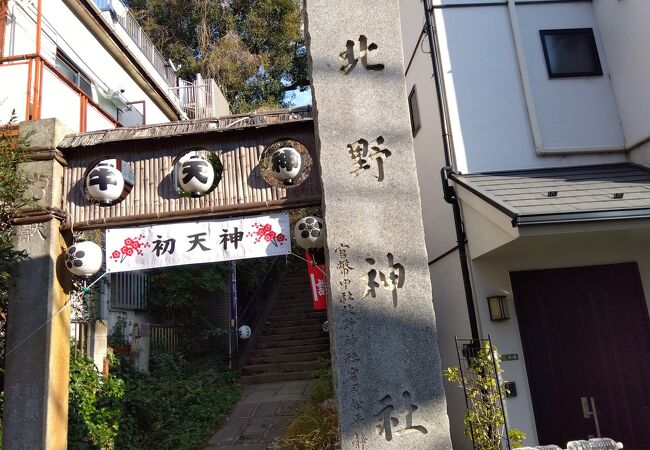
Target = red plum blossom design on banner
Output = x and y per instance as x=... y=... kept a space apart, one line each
x=265 y=232
x=132 y=246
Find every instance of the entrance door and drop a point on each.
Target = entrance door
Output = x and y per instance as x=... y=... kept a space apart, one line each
x=586 y=335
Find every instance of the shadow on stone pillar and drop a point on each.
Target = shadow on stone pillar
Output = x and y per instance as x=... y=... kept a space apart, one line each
x=37 y=354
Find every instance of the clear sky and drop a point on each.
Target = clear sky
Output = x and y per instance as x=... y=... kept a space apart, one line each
x=299 y=98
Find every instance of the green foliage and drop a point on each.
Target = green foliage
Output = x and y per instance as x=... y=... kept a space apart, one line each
x=484 y=417
x=177 y=406
x=95 y=407
x=253 y=49
x=117 y=336
x=322 y=385
x=516 y=438
x=175 y=294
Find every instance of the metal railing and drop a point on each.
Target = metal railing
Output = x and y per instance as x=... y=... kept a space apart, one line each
x=130 y=24
x=196 y=99
x=173 y=339
x=253 y=312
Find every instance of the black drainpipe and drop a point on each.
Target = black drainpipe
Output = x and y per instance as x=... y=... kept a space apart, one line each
x=447 y=189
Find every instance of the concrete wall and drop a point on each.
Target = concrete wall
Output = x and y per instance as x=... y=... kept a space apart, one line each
x=62 y=29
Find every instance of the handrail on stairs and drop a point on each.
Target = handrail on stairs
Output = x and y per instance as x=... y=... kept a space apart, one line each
x=257 y=306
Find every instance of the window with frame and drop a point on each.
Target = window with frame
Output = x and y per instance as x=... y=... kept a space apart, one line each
x=73 y=73
x=571 y=53
x=414 y=111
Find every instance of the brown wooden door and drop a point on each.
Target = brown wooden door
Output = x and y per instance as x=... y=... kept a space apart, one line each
x=586 y=333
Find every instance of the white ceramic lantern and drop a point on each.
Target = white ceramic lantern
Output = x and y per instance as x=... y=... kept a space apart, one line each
x=195 y=175
x=244 y=332
x=104 y=183
x=309 y=232
x=84 y=258
x=286 y=163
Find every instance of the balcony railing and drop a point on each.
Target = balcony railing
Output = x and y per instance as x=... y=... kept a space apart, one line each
x=130 y=24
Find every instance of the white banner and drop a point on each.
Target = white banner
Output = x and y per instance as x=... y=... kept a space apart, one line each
x=175 y=244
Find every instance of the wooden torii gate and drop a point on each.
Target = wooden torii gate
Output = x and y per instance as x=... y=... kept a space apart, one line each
x=382 y=325
x=37 y=358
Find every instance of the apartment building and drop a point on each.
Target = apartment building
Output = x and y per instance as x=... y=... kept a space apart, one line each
x=535 y=113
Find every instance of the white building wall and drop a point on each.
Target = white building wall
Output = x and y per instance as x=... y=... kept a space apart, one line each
x=488 y=110
x=62 y=29
x=625 y=36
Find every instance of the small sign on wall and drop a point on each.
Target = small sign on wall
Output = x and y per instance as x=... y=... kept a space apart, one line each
x=510 y=357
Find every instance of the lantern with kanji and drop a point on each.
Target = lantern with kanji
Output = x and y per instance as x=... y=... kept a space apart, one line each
x=104 y=183
x=195 y=175
x=286 y=163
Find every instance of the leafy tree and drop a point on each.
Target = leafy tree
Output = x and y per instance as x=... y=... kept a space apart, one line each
x=253 y=49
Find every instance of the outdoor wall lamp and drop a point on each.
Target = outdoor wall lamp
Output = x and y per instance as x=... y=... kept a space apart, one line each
x=498 y=306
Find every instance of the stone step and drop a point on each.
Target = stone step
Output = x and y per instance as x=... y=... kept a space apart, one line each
x=286 y=367
x=275 y=377
x=301 y=335
x=307 y=315
x=277 y=351
x=298 y=309
x=292 y=343
x=294 y=321
x=309 y=356
x=316 y=326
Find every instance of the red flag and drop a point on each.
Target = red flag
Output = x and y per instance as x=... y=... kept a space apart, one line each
x=316 y=269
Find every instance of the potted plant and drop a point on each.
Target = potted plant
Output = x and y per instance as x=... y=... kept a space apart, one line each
x=117 y=339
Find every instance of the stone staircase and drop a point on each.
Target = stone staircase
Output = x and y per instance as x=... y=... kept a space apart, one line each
x=292 y=340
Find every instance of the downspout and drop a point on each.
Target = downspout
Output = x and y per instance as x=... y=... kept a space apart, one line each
x=448 y=190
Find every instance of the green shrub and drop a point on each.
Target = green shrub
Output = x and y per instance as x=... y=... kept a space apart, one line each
x=94 y=406
x=484 y=389
x=175 y=407
x=178 y=406
x=322 y=386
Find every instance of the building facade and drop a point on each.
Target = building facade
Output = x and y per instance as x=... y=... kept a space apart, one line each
x=89 y=64
x=545 y=135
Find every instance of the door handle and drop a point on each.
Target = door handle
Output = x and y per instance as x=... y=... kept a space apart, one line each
x=589 y=410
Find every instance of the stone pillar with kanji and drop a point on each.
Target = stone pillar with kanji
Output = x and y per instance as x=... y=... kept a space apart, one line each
x=37 y=349
x=387 y=369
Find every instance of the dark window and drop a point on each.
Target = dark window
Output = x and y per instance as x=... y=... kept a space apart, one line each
x=73 y=73
x=571 y=53
x=414 y=110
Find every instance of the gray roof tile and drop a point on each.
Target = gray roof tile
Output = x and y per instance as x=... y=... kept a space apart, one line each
x=580 y=190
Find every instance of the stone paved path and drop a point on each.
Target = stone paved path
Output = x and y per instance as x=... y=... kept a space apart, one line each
x=261 y=416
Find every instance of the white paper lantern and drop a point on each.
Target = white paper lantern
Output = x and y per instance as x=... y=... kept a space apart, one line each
x=326 y=326
x=309 y=232
x=84 y=258
x=286 y=163
x=195 y=175
x=104 y=183
x=244 y=332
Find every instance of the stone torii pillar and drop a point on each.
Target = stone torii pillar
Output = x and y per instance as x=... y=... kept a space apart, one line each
x=383 y=332
x=37 y=354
